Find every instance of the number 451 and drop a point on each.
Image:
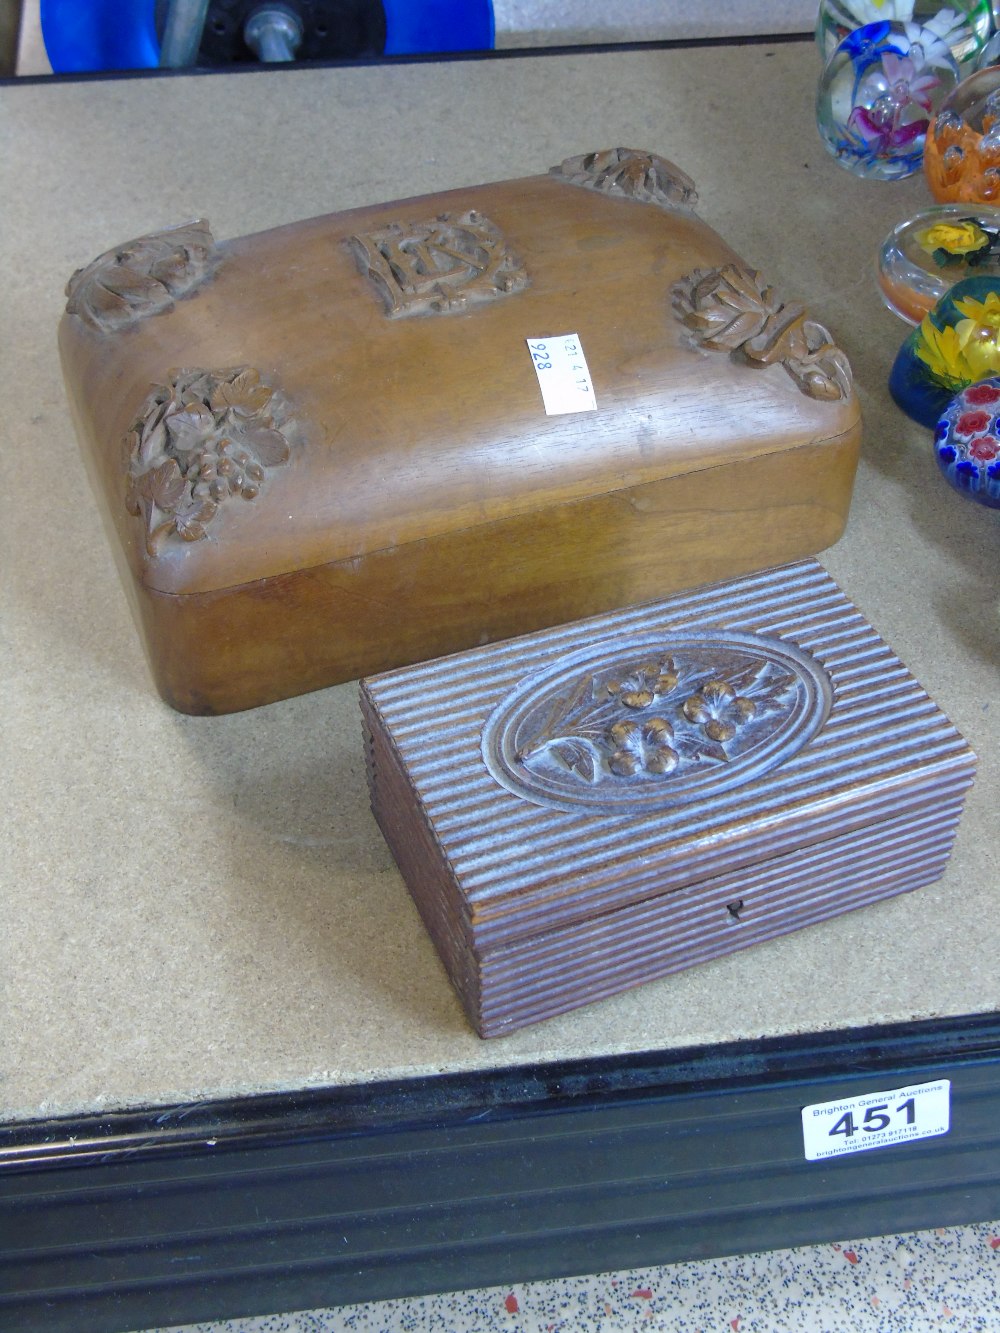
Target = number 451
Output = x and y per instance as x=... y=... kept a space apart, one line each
x=876 y=1118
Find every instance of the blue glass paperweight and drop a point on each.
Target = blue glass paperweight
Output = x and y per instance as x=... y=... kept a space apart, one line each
x=956 y=345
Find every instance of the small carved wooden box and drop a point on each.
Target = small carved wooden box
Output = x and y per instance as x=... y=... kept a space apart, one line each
x=594 y=806
x=324 y=450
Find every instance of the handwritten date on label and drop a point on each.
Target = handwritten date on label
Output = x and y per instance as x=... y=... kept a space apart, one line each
x=563 y=376
x=876 y=1120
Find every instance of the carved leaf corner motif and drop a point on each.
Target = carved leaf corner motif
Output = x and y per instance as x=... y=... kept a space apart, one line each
x=203 y=438
x=141 y=277
x=731 y=309
x=630 y=173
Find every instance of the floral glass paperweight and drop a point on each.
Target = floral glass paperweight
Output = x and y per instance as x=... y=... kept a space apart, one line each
x=967 y=442
x=877 y=95
x=927 y=254
x=956 y=345
x=963 y=24
x=962 y=152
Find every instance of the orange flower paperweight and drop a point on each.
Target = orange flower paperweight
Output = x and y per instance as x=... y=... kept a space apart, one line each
x=962 y=146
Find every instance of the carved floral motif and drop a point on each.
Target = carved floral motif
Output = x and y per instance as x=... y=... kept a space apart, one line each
x=199 y=441
x=697 y=717
x=446 y=264
x=141 y=277
x=630 y=173
x=731 y=309
x=683 y=720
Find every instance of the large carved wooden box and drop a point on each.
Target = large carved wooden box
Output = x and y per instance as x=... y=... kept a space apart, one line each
x=324 y=450
x=594 y=806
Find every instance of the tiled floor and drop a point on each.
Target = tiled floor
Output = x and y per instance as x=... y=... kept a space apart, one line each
x=946 y=1280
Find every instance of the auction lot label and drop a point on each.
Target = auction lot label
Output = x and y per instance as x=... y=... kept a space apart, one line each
x=876 y=1120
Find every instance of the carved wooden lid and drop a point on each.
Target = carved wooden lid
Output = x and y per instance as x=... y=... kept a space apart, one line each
x=360 y=381
x=560 y=775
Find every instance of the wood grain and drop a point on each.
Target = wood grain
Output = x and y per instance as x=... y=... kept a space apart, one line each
x=426 y=502
x=546 y=889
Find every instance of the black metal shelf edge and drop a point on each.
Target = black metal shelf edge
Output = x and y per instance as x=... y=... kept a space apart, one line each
x=293 y=1200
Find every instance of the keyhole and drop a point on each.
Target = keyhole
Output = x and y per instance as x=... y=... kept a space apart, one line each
x=735 y=908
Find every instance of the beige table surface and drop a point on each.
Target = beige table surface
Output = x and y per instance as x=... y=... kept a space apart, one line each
x=199 y=907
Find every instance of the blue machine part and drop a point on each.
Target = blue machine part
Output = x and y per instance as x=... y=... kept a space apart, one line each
x=413 y=27
x=121 y=34
x=99 y=34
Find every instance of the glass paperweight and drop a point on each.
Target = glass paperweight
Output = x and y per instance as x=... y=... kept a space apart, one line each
x=964 y=24
x=990 y=53
x=967 y=442
x=877 y=95
x=927 y=254
x=962 y=152
x=956 y=345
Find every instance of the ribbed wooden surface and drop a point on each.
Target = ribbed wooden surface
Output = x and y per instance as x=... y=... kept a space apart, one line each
x=561 y=969
x=536 y=908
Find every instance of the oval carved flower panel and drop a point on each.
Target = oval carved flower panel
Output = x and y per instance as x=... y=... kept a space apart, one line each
x=670 y=720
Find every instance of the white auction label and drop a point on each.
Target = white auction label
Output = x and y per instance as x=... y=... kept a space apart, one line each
x=876 y=1120
x=562 y=373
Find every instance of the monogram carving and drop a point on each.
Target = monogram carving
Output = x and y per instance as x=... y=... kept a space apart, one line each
x=142 y=277
x=447 y=264
x=665 y=722
x=630 y=173
x=204 y=438
x=732 y=310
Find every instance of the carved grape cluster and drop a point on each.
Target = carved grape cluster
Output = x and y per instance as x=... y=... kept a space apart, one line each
x=199 y=440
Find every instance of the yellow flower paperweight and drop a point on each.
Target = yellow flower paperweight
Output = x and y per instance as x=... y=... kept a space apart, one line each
x=956 y=344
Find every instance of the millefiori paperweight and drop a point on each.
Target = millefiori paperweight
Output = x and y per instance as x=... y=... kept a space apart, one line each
x=967 y=442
